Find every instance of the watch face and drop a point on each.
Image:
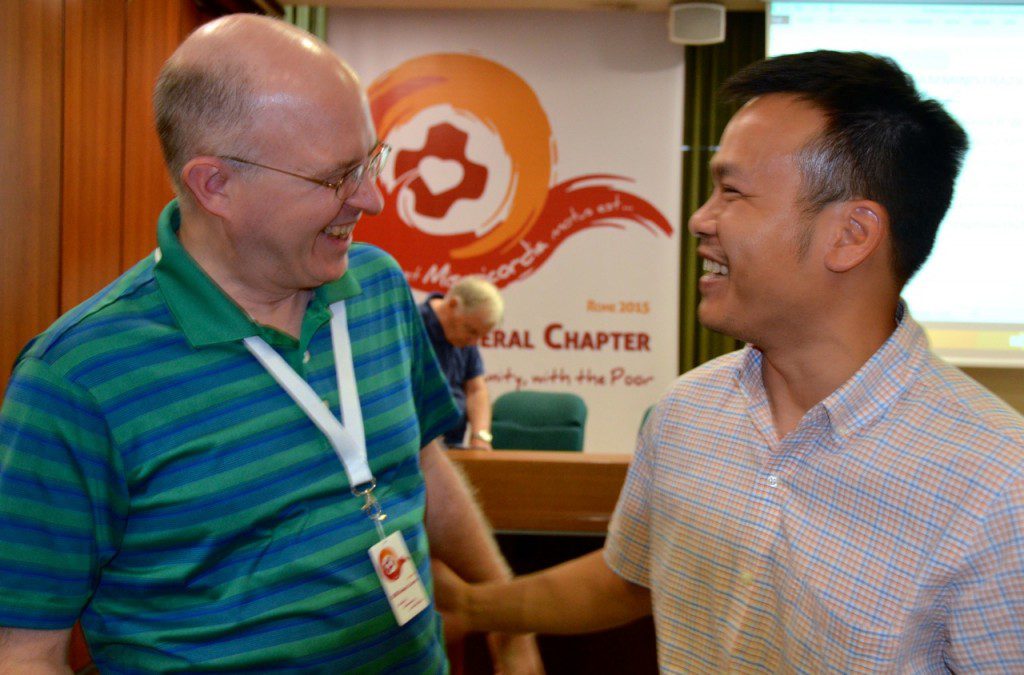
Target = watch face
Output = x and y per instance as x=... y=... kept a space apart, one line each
x=484 y=436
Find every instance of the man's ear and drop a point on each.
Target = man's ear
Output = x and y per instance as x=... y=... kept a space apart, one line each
x=207 y=179
x=861 y=227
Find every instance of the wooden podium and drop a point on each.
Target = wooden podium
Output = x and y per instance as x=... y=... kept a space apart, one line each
x=542 y=491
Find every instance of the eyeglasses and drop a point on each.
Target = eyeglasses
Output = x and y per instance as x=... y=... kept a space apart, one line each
x=346 y=186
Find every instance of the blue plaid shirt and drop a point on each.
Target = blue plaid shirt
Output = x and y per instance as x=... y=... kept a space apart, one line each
x=884 y=534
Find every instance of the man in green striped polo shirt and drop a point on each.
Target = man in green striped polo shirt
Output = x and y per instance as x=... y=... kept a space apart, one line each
x=166 y=472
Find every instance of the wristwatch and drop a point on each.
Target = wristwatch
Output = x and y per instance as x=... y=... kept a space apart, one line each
x=484 y=435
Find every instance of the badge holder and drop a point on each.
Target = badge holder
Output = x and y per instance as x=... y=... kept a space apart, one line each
x=390 y=555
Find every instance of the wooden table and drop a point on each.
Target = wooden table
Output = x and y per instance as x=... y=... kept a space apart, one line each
x=545 y=491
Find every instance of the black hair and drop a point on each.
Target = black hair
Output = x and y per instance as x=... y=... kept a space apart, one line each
x=883 y=141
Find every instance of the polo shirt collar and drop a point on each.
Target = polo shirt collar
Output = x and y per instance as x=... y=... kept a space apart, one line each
x=205 y=312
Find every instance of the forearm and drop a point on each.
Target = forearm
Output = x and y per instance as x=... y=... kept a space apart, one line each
x=579 y=596
x=458 y=531
x=478 y=409
x=33 y=667
x=461 y=539
x=33 y=652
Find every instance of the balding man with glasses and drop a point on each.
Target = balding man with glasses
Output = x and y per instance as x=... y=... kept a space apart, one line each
x=223 y=461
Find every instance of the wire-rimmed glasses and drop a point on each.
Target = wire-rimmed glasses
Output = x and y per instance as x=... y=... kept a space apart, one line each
x=345 y=186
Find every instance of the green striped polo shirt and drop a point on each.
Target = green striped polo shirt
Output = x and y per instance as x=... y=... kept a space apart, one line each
x=158 y=484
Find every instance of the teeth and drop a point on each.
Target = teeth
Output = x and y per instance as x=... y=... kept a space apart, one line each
x=716 y=268
x=341 y=231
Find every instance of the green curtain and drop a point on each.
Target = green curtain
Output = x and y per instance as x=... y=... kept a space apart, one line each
x=704 y=118
x=312 y=19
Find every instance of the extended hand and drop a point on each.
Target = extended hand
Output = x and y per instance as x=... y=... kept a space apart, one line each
x=511 y=654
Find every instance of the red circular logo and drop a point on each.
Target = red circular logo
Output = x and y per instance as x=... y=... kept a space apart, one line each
x=390 y=564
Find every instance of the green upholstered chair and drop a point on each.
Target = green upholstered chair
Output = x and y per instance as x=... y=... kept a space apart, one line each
x=538 y=420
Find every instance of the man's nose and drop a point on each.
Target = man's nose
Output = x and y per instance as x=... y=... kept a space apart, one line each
x=703 y=220
x=367 y=197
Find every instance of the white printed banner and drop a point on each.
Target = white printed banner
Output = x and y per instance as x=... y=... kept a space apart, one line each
x=540 y=150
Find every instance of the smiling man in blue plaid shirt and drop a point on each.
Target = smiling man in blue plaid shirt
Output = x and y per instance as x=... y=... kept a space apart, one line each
x=833 y=497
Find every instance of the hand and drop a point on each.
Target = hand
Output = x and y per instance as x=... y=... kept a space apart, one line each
x=479 y=444
x=449 y=598
x=511 y=654
x=515 y=654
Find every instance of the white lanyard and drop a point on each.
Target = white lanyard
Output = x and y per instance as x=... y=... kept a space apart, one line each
x=348 y=441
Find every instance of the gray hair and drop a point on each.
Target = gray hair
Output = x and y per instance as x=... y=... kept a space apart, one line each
x=479 y=295
x=199 y=111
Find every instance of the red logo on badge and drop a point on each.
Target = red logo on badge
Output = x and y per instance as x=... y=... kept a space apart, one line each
x=391 y=564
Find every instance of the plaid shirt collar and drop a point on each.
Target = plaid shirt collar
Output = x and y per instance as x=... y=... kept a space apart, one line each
x=866 y=395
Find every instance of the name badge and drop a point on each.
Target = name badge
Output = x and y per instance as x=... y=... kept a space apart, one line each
x=399 y=578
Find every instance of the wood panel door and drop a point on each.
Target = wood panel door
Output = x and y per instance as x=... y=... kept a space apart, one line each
x=153 y=31
x=81 y=175
x=30 y=172
x=114 y=179
x=93 y=151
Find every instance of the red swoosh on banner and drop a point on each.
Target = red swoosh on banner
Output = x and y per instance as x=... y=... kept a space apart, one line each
x=571 y=207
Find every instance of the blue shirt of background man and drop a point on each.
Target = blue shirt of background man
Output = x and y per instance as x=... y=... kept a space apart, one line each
x=459 y=365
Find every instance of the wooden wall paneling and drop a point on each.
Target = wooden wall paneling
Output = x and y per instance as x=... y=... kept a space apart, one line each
x=154 y=30
x=30 y=170
x=93 y=142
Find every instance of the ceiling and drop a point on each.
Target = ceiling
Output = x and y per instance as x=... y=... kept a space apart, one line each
x=619 y=5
